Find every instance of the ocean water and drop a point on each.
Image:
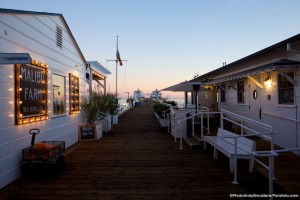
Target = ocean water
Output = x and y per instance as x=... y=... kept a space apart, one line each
x=179 y=101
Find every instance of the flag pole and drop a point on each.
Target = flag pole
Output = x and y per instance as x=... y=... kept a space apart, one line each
x=118 y=59
x=117 y=49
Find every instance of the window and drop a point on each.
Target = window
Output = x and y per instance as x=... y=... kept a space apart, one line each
x=240 y=92
x=286 y=89
x=222 y=94
x=58 y=37
x=59 y=95
x=74 y=94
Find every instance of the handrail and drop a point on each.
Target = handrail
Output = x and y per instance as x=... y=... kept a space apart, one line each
x=235 y=137
x=281 y=117
x=242 y=118
x=192 y=116
x=271 y=154
x=164 y=115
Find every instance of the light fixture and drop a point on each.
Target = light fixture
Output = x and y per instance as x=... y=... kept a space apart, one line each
x=268 y=81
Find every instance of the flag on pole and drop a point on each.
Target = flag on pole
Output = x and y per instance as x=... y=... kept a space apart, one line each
x=118 y=54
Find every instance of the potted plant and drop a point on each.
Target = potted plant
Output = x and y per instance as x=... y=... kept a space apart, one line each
x=161 y=110
x=113 y=106
x=90 y=107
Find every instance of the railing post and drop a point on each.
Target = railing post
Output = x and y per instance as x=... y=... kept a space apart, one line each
x=180 y=133
x=235 y=161
x=193 y=126
x=242 y=126
x=222 y=123
x=271 y=175
x=208 y=132
x=169 y=122
x=201 y=125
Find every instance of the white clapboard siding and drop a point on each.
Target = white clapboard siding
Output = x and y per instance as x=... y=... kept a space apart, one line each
x=36 y=35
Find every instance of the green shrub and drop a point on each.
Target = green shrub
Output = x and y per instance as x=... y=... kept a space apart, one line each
x=160 y=107
x=173 y=103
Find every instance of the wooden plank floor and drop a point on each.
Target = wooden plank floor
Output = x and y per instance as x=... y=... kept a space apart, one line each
x=139 y=160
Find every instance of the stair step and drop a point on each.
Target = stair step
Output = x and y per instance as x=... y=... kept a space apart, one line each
x=192 y=142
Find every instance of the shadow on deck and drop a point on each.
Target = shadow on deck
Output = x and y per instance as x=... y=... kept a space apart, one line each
x=139 y=160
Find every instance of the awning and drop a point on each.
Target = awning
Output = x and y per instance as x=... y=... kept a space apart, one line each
x=258 y=70
x=96 y=66
x=183 y=87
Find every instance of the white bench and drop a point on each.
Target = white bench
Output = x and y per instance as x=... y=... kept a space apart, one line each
x=224 y=142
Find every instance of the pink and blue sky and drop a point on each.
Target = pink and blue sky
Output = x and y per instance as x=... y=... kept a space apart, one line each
x=169 y=41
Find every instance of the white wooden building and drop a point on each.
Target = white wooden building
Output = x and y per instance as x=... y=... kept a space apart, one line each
x=44 y=94
x=263 y=86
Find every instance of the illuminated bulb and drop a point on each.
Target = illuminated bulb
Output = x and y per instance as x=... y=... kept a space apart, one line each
x=20 y=102
x=10 y=89
x=20 y=89
x=20 y=76
x=268 y=82
x=11 y=115
x=10 y=102
x=20 y=115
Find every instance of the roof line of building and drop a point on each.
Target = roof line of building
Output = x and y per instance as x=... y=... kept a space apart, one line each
x=4 y=10
x=251 y=56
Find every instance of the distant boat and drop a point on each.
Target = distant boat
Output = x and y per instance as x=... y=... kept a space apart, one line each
x=138 y=95
x=156 y=95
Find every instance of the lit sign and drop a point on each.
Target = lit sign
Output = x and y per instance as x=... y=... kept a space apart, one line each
x=31 y=92
x=15 y=58
x=74 y=94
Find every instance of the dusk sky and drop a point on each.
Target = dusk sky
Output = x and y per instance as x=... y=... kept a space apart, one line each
x=169 y=41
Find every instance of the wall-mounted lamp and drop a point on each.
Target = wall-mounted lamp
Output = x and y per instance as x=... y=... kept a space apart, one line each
x=268 y=81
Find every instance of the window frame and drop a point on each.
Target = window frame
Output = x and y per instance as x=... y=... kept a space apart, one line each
x=64 y=110
x=222 y=94
x=240 y=92
x=285 y=86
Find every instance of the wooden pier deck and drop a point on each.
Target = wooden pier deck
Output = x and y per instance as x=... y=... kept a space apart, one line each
x=139 y=160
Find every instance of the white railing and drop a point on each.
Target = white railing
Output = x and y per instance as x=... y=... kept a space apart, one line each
x=271 y=155
x=235 y=149
x=234 y=118
x=174 y=120
x=281 y=117
x=203 y=113
x=167 y=116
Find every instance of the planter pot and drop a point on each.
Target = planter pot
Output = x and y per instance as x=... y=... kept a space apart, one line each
x=115 y=119
x=163 y=122
x=106 y=123
x=99 y=131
